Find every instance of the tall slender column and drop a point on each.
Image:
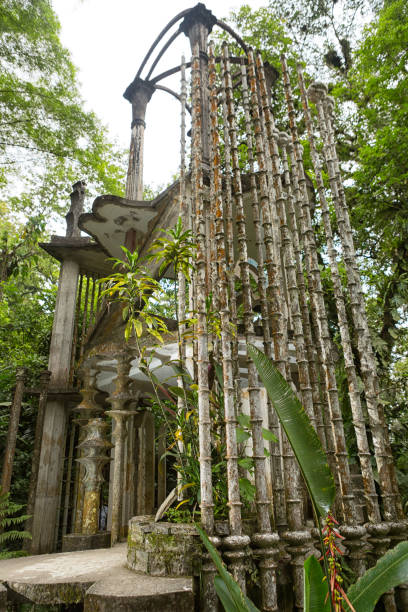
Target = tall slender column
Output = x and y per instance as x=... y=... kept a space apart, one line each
x=55 y=417
x=265 y=542
x=118 y=399
x=35 y=461
x=146 y=470
x=15 y=411
x=138 y=93
x=197 y=25
x=201 y=345
x=86 y=410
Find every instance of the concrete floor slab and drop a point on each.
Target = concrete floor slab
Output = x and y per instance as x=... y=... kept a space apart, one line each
x=97 y=577
x=81 y=566
x=126 y=591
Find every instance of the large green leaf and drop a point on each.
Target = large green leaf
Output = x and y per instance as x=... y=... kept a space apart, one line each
x=232 y=598
x=390 y=571
x=223 y=593
x=301 y=435
x=316 y=594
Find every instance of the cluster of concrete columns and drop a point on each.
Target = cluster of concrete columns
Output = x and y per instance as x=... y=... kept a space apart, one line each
x=132 y=470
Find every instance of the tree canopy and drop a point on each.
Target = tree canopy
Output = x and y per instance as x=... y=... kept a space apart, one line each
x=48 y=141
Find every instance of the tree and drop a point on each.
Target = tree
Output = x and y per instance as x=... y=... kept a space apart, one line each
x=379 y=193
x=47 y=139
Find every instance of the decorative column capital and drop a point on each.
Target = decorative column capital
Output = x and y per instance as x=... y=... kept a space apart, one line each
x=198 y=16
x=120 y=418
x=317 y=92
x=121 y=393
x=21 y=374
x=88 y=408
x=139 y=93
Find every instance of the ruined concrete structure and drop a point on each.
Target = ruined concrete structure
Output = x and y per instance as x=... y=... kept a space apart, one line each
x=244 y=192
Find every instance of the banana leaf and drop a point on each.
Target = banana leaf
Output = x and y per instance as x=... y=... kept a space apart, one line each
x=231 y=596
x=390 y=571
x=300 y=433
x=316 y=594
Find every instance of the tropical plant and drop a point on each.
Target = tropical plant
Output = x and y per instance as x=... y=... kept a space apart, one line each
x=9 y=523
x=132 y=286
x=320 y=592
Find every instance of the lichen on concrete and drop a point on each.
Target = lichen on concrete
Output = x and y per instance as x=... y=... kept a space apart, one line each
x=163 y=549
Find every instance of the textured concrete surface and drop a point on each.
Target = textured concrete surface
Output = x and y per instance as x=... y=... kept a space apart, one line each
x=3 y=598
x=126 y=591
x=163 y=549
x=74 y=542
x=60 y=577
x=97 y=576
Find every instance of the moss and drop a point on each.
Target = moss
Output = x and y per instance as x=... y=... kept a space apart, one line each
x=160 y=541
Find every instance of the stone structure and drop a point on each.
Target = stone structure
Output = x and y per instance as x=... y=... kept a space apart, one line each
x=252 y=221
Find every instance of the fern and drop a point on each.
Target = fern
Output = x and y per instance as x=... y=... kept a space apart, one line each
x=8 y=520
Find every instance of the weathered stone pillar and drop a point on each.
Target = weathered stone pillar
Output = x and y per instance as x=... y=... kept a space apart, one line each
x=35 y=462
x=197 y=25
x=87 y=409
x=77 y=206
x=130 y=460
x=94 y=456
x=15 y=411
x=146 y=465
x=55 y=417
x=138 y=93
x=118 y=400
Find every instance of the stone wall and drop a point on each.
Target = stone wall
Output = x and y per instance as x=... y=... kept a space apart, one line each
x=163 y=549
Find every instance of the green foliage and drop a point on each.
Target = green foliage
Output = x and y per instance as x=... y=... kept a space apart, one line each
x=47 y=139
x=301 y=435
x=316 y=593
x=183 y=449
x=133 y=287
x=390 y=571
x=176 y=248
x=231 y=596
x=9 y=523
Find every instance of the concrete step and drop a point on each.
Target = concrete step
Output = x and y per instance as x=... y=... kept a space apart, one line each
x=98 y=578
x=126 y=591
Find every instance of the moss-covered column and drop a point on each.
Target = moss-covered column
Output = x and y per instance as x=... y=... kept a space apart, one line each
x=93 y=457
x=118 y=400
x=86 y=410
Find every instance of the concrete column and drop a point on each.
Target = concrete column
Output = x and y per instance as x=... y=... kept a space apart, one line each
x=94 y=457
x=55 y=416
x=118 y=399
x=146 y=466
x=138 y=93
x=35 y=461
x=87 y=409
x=197 y=25
x=15 y=411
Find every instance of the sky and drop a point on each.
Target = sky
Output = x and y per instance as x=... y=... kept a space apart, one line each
x=108 y=41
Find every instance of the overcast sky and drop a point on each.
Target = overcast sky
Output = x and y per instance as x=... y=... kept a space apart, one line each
x=108 y=41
